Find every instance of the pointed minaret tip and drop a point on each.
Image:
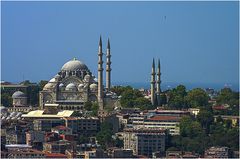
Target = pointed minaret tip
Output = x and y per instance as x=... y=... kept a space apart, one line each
x=108 y=44
x=153 y=63
x=158 y=62
x=100 y=41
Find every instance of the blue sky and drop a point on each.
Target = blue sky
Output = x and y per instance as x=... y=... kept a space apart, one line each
x=197 y=42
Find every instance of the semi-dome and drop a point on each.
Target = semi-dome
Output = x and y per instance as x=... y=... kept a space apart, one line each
x=81 y=85
x=48 y=86
x=93 y=86
x=74 y=65
x=71 y=87
x=61 y=85
x=18 y=94
x=53 y=80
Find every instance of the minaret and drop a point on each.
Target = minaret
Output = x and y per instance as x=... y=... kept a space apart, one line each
x=100 y=75
x=108 y=67
x=153 y=83
x=158 y=84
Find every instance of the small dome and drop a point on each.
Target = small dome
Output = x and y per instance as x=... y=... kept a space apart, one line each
x=57 y=76
x=18 y=94
x=74 y=65
x=93 y=86
x=48 y=86
x=81 y=85
x=61 y=85
x=71 y=87
x=53 y=80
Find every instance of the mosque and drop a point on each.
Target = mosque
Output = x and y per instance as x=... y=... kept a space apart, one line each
x=75 y=85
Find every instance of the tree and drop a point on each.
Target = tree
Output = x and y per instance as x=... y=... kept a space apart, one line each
x=94 y=109
x=119 y=143
x=205 y=118
x=197 y=98
x=82 y=139
x=163 y=98
x=41 y=84
x=88 y=105
x=127 y=99
x=228 y=123
x=32 y=92
x=26 y=82
x=120 y=89
x=177 y=97
x=104 y=136
x=6 y=99
x=142 y=103
x=219 y=119
x=192 y=136
x=185 y=124
x=227 y=96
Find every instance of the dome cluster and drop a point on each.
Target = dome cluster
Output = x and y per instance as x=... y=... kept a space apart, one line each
x=72 y=68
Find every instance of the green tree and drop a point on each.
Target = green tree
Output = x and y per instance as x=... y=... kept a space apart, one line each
x=82 y=139
x=142 y=103
x=6 y=99
x=177 y=97
x=185 y=126
x=32 y=92
x=227 y=96
x=119 y=143
x=26 y=82
x=163 y=98
x=127 y=99
x=205 y=118
x=41 y=84
x=192 y=136
x=197 y=98
x=219 y=119
x=104 y=136
x=120 y=89
x=88 y=105
x=94 y=109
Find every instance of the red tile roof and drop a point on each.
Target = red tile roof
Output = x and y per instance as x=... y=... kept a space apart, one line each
x=55 y=155
x=219 y=107
x=165 y=118
x=60 y=127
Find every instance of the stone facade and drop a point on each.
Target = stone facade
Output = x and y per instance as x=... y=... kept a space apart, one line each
x=75 y=85
x=70 y=88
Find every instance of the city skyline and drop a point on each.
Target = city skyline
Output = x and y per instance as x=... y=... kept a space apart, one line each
x=197 y=42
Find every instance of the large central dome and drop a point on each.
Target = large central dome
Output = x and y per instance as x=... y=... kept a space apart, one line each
x=74 y=65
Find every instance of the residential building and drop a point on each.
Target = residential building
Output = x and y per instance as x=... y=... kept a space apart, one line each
x=87 y=126
x=144 y=141
x=120 y=153
x=35 y=139
x=216 y=152
x=26 y=153
x=59 y=146
x=47 y=124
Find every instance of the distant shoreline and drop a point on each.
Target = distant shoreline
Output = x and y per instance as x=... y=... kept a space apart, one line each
x=168 y=85
x=189 y=86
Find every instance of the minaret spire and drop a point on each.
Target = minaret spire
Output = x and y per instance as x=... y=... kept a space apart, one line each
x=100 y=75
x=153 y=83
x=158 y=83
x=108 y=67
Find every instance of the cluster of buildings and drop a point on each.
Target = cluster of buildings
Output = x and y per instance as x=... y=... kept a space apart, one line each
x=61 y=128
